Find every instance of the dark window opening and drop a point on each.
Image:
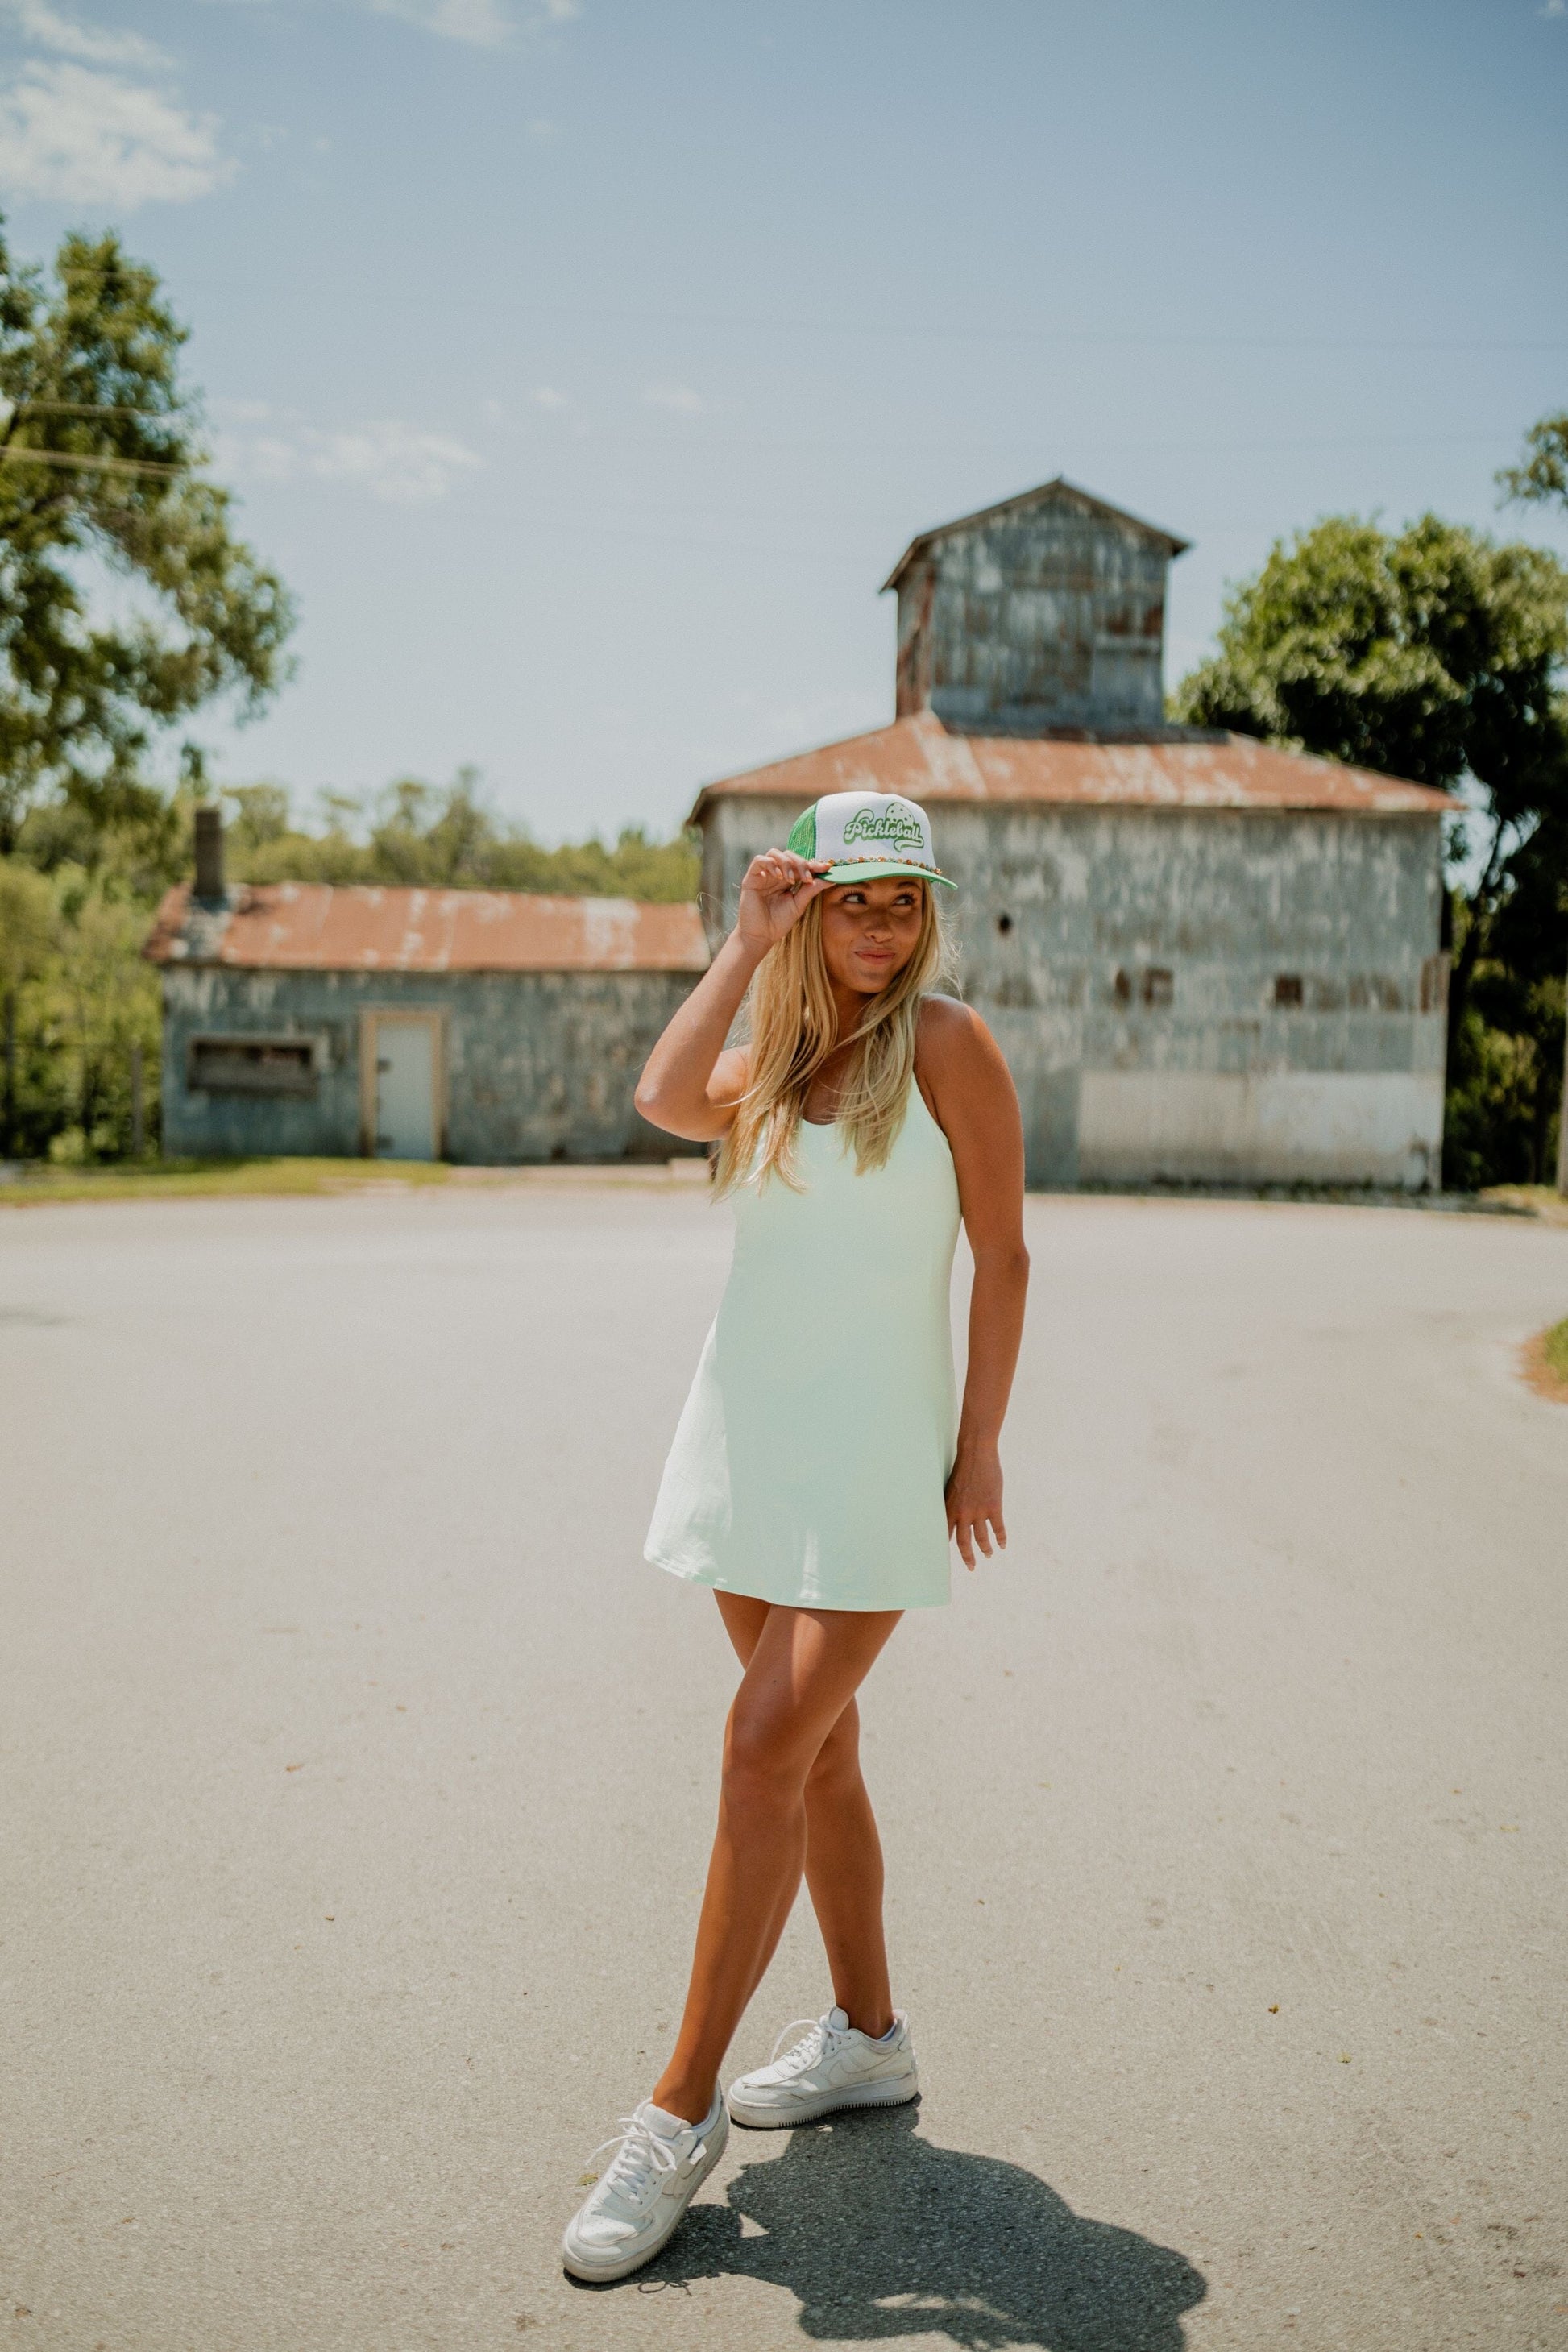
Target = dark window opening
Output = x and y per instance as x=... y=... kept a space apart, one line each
x=1159 y=987
x=1004 y=924
x=252 y=1065
x=1287 y=988
x=1122 y=988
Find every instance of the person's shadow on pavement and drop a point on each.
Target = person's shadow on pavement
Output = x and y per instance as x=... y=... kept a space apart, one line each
x=879 y=2235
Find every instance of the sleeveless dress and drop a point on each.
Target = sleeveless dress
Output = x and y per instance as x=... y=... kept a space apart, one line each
x=809 y=1464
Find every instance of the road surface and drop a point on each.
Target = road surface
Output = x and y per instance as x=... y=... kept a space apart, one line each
x=358 y=1775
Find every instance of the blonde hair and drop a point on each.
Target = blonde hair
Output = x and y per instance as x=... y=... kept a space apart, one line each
x=792 y=1029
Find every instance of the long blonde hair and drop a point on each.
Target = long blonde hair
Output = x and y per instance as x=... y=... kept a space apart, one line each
x=792 y=1029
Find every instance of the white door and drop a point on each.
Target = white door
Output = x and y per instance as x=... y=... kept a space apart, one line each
x=405 y=1090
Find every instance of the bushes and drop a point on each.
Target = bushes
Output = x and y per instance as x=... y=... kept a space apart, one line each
x=1503 y=1104
x=77 y=1005
x=1505 y=1051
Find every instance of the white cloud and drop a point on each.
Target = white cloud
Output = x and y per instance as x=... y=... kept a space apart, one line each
x=74 y=131
x=73 y=135
x=1555 y=8
x=392 y=461
x=42 y=27
x=546 y=396
x=679 y=398
x=481 y=24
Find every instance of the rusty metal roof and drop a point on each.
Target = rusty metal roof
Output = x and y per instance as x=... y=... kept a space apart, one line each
x=918 y=757
x=1058 y=491
x=312 y=926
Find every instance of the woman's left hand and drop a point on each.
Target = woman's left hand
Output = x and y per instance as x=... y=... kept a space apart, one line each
x=974 y=1502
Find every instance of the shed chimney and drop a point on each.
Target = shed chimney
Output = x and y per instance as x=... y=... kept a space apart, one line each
x=210 y=855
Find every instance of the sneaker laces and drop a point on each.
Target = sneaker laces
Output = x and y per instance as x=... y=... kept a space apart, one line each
x=640 y=2156
x=813 y=2044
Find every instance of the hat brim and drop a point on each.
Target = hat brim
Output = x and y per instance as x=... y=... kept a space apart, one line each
x=885 y=869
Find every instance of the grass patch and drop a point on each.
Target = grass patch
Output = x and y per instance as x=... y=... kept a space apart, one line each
x=1545 y=1362
x=165 y=1180
x=1543 y=1201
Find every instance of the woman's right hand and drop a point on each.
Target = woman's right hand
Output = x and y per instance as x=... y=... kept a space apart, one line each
x=776 y=892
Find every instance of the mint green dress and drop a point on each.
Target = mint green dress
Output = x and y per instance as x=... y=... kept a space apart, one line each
x=809 y=1464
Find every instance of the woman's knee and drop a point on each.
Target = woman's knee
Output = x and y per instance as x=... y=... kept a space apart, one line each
x=835 y=1767
x=763 y=1759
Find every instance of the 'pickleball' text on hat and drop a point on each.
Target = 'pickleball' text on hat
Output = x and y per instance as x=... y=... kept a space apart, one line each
x=869 y=836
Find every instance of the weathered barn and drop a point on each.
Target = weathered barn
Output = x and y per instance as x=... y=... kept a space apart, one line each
x=476 y=1025
x=1205 y=959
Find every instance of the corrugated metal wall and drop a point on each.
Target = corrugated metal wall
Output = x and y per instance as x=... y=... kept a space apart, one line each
x=1053 y=616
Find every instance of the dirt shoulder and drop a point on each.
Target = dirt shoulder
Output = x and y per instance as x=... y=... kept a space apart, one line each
x=1545 y=1362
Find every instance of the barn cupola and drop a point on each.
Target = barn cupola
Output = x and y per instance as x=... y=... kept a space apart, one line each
x=1043 y=616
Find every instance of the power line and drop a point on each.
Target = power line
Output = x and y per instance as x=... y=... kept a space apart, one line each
x=896 y=331
x=878 y=444
x=89 y=409
x=12 y=456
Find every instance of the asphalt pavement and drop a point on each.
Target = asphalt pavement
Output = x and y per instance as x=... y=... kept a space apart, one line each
x=357 y=1778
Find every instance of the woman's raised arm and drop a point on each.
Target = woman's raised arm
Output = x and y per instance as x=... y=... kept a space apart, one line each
x=690 y=1085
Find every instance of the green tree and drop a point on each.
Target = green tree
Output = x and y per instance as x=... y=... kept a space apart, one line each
x=1543 y=477
x=100 y=455
x=77 y=1007
x=26 y=909
x=445 y=839
x=1434 y=654
x=101 y=1002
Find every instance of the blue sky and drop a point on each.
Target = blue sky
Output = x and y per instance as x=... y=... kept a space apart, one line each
x=585 y=366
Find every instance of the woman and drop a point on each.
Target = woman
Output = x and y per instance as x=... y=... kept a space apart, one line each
x=820 y=1465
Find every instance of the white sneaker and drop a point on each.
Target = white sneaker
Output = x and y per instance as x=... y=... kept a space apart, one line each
x=833 y=2065
x=636 y=2202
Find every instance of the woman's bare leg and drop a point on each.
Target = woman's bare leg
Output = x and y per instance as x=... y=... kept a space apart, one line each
x=843 y=1874
x=805 y=1668
x=843 y=1853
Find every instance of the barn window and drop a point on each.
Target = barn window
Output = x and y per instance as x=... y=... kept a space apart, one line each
x=1159 y=987
x=1287 y=988
x=1122 y=988
x=251 y=1065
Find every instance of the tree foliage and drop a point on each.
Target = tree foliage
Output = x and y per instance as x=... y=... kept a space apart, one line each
x=126 y=600
x=1543 y=477
x=1434 y=654
x=444 y=839
x=76 y=1001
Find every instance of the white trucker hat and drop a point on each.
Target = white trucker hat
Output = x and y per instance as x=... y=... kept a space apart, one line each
x=869 y=836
